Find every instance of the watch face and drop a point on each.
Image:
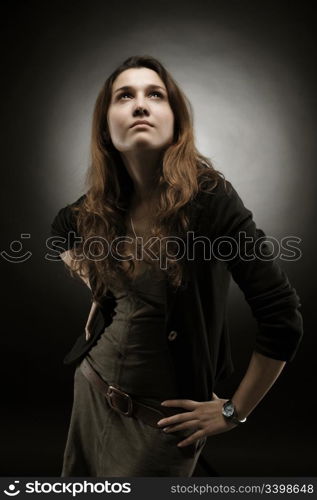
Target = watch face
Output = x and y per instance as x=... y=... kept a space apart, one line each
x=228 y=409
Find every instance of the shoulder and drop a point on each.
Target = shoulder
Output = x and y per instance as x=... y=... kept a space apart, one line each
x=65 y=219
x=221 y=208
x=215 y=196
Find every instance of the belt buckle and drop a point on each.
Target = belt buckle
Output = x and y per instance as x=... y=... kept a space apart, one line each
x=112 y=389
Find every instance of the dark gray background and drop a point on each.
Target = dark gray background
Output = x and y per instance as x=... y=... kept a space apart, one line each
x=249 y=70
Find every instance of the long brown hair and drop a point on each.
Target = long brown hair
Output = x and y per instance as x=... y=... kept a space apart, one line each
x=184 y=173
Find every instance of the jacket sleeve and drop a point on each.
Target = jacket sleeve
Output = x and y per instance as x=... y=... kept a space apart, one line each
x=64 y=229
x=273 y=301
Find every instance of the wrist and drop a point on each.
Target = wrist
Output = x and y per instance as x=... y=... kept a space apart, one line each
x=230 y=413
x=241 y=412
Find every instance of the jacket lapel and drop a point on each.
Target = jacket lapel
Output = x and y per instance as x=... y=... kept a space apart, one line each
x=172 y=294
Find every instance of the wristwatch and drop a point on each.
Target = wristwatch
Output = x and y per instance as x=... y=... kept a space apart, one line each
x=230 y=413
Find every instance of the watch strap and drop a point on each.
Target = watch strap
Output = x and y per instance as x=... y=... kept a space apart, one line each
x=236 y=420
x=234 y=417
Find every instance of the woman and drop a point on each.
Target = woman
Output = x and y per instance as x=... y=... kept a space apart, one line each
x=143 y=239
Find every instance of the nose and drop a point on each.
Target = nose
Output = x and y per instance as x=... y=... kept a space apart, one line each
x=140 y=110
x=140 y=107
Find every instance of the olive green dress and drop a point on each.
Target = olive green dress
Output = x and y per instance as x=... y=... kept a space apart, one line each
x=131 y=353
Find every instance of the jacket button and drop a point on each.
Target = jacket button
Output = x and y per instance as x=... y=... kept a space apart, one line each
x=172 y=335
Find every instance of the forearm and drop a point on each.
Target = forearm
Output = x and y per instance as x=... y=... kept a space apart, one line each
x=258 y=379
x=91 y=317
x=66 y=257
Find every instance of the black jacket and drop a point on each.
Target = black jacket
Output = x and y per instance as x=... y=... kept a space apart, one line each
x=196 y=320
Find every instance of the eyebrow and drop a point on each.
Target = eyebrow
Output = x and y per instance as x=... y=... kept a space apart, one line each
x=128 y=87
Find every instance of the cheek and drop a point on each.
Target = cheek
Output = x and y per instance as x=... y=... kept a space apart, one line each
x=168 y=122
x=115 y=123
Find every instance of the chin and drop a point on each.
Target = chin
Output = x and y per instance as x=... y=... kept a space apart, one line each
x=143 y=145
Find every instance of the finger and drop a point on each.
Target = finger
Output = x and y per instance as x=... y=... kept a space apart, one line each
x=192 y=438
x=214 y=396
x=176 y=419
x=182 y=403
x=179 y=427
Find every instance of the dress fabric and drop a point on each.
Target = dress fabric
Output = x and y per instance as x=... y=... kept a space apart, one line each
x=131 y=353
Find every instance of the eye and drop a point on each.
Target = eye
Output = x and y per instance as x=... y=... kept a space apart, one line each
x=123 y=95
x=154 y=92
x=157 y=93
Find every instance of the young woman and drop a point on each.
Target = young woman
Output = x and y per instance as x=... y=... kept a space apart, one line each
x=156 y=237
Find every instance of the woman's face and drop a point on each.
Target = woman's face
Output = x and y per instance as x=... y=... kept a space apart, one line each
x=144 y=97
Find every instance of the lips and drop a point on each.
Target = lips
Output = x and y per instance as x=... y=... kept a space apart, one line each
x=141 y=122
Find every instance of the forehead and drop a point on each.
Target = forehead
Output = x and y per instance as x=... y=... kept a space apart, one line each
x=137 y=77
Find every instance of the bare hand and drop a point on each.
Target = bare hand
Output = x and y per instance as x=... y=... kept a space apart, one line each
x=205 y=418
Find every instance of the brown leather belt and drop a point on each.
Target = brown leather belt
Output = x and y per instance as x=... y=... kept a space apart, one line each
x=123 y=403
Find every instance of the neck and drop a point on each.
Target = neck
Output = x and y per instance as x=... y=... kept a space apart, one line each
x=143 y=168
